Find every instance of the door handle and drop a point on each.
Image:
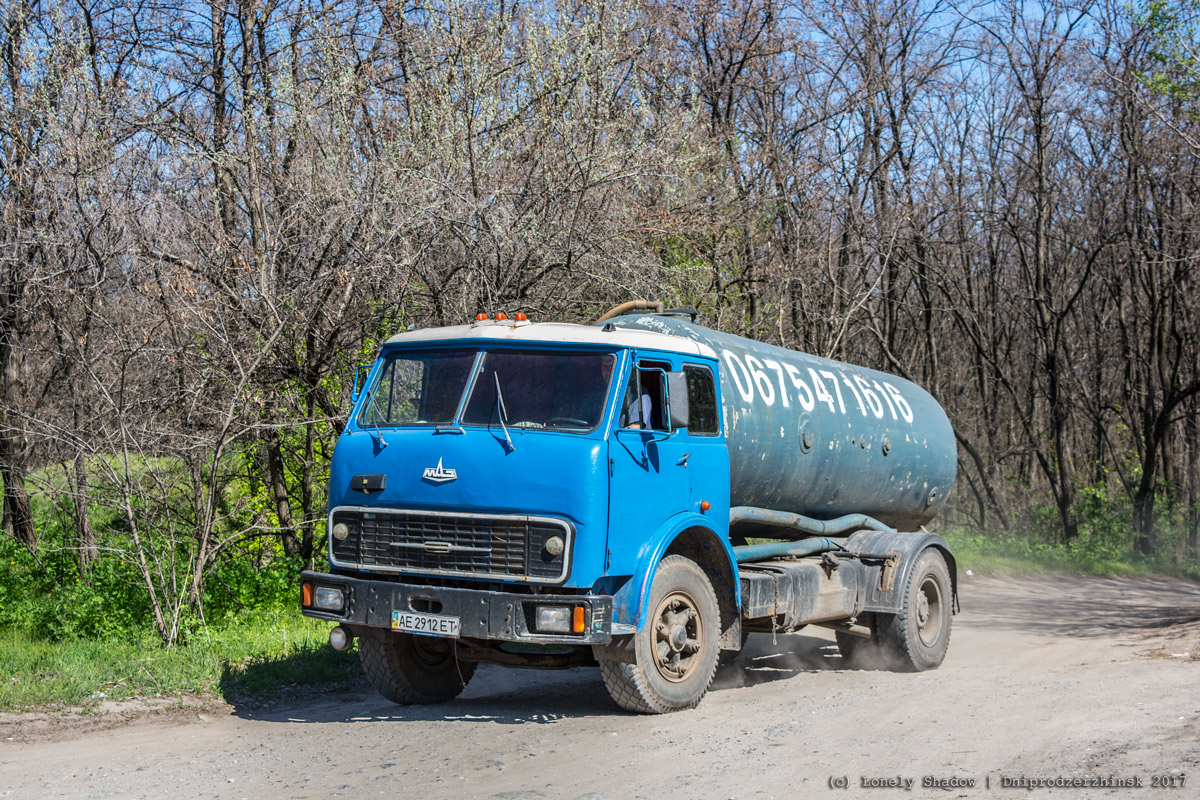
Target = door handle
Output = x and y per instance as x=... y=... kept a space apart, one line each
x=683 y=461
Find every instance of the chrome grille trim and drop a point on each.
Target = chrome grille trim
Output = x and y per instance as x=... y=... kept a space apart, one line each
x=491 y=546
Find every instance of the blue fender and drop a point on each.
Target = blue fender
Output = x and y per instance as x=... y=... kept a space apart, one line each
x=631 y=600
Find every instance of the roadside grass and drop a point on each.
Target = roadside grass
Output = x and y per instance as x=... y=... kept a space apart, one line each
x=255 y=652
x=1011 y=555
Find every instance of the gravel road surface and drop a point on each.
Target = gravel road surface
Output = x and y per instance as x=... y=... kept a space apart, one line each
x=1058 y=678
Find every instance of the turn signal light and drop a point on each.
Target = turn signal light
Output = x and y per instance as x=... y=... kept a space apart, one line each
x=705 y=505
x=577 y=620
x=306 y=594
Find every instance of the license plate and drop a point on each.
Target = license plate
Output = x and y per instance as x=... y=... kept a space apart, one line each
x=425 y=624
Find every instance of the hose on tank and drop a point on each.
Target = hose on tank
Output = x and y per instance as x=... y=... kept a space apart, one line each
x=805 y=547
x=806 y=526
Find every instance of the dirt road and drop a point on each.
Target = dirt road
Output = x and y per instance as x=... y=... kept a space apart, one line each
x=1047 y=678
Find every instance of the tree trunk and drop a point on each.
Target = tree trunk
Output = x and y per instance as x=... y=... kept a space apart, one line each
x=1191 y=479
x=279 y=492
x=18 y=512
x=1144 y=536
x=222 y=176
x=85 y=537
x=306 y=478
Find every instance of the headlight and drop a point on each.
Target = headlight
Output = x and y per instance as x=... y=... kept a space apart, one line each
x=560 y=619
x=554 y=545
x=554 y=619
x=340 y=531
x=327 y=598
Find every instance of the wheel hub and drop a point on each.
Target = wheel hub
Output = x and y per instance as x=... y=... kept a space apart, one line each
x=678 y=636
x=929 y=613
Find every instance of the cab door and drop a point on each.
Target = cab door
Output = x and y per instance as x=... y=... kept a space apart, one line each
x=673 y=461
x=696 y=416
x=648 y=463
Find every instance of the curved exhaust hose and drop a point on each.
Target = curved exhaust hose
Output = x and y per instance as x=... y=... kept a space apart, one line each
x=632 y=305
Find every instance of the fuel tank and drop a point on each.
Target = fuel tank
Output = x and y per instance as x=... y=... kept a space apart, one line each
x=822 y=438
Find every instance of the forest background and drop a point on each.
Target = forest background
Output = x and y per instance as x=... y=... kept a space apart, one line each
x=211 y=212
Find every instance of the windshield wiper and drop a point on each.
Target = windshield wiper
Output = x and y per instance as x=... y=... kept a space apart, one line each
x=375 y=431
x=503 y=412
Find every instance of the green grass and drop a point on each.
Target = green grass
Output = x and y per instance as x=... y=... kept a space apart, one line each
x=256 y=652
x=1011 y=555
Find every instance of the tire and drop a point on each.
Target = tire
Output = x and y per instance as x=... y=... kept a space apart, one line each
x=916 y=639
x=676 y=650
x=413 y=670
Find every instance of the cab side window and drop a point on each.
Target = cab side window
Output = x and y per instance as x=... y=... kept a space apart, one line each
x=642 y=407
x=702 y=401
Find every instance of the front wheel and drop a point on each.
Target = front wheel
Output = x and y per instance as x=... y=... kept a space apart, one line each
x=413 y=670
x=676 y=651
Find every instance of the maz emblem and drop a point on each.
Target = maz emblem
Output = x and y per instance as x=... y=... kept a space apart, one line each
x=439 y=474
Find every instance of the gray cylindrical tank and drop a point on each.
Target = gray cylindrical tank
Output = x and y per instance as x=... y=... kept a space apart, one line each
x=821 y=438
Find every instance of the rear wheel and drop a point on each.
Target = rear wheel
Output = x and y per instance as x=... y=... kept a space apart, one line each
x=916 y=638
x=676 y=651
x=413 y=670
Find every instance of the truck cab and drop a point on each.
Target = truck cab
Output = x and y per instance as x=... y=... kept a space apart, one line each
x=537 y=495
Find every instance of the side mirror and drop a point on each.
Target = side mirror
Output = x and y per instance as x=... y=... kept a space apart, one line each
x=677 y=400
x=360 y=378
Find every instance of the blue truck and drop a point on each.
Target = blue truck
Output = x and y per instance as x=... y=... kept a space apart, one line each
x=639 y=494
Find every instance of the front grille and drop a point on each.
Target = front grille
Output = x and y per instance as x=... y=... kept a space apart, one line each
x=438 y=543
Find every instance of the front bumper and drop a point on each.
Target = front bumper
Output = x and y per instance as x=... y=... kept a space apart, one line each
x=482 y=614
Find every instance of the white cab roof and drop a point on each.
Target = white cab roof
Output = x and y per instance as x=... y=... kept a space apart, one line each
x=556 y=332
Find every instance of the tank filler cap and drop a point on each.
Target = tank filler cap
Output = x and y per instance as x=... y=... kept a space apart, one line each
x=808 y=437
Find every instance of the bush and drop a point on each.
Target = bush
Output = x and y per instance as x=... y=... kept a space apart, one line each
x=50 y=595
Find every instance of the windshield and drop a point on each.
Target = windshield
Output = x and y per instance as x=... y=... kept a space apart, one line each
x=418 y=389
x=542 y=391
